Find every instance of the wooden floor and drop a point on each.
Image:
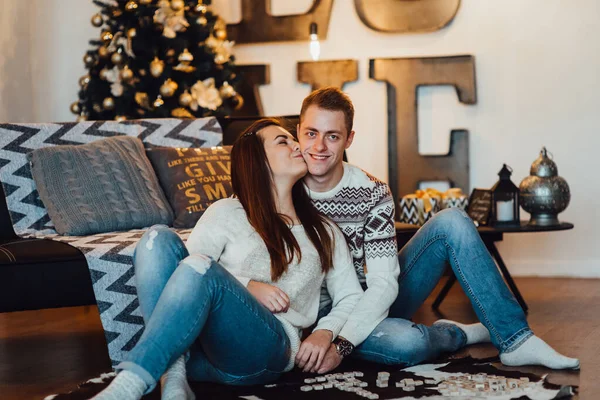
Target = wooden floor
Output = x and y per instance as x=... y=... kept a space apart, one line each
x=49 y=351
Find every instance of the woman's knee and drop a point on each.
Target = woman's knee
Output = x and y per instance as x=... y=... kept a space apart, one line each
x=159 y=249
x=156 y=237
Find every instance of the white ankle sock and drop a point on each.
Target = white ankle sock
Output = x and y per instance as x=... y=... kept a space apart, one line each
x=476 y=333
x=174 y=384
x=126 y=386
x=534 y=351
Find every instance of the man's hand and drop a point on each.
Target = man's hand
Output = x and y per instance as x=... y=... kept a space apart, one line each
x=312 y=350
x=275 y=299
x=331 y=361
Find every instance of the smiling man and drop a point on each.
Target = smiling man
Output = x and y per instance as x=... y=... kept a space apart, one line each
x=396 y=284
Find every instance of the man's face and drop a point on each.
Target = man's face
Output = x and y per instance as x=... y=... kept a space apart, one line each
x=323 y=137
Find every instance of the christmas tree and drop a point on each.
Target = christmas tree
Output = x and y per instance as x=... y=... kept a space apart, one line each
x=157 y=59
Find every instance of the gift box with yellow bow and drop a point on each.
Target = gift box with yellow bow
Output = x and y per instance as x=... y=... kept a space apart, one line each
x=454 y=197
x=416 y=208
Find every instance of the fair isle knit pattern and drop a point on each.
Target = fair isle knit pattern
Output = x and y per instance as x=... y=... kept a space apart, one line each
x=363 y=208
x=365 y=215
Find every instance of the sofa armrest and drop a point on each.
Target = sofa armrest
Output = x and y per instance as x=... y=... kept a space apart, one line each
x=6 y=227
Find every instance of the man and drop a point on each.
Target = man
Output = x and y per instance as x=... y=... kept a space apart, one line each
x=395 y=284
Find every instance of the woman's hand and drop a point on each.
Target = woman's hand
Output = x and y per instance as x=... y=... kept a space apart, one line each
x=313 y=349
x=275 y=299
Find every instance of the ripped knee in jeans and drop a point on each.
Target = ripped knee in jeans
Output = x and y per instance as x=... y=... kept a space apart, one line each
x=198 y=262
x=152 y=234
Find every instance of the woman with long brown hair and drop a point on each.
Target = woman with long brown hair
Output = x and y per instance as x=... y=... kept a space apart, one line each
x=230 y=304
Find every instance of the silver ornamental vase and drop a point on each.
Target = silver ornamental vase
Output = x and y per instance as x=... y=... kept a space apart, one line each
x=543 y=193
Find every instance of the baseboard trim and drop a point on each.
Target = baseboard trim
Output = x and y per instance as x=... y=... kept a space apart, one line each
x=562 y=268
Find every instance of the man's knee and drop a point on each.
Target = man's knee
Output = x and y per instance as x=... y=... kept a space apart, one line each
x=413 y=349
x=453 y=220
x=399 y=342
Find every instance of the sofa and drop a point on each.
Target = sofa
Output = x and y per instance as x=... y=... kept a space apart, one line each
x=40 y=268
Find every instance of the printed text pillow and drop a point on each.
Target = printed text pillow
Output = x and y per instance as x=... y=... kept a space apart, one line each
x=192 y=179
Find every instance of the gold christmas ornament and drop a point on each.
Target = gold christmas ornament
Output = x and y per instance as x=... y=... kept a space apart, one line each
x=186 y=56
x=181 y=113
x=170 y=53
x=103 y=51
x=104 y=73
x=227 y=90
x=220 y=59
x=221 y=34
x=75 y=108
x=97 y=107
x=97 y=20
x=142 y=99
x=212 y=42
x=202 y=21
x=131 y=33
x=157 y=67
x=131 y=6
x=185 y=99
x=158 y=102
x=108 y=103
x=82 y=118
x=142 y=72
x=120 y=118
x=177 y=5
x=116 y=58
x=126 y=73
x=201 y=8
x=168 y=88
x=220 y=24
x=106 y=36
x=89 y=60
x=239 y=100
x=84 y=80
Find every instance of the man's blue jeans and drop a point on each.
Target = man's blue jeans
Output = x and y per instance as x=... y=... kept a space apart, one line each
x=450 y=237
x=192 y=303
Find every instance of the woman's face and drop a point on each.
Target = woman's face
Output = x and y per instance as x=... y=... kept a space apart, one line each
x=283 y=154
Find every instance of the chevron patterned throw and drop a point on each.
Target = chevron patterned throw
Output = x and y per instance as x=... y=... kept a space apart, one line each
x=108 y=255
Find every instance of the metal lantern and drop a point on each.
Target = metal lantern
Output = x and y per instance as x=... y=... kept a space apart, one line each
x=544 y=194
x=505 y=200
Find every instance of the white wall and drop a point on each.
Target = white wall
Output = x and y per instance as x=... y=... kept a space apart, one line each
x=537 y=64
x=16 y=89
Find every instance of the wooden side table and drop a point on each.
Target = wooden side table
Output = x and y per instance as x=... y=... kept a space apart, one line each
x=490 y=235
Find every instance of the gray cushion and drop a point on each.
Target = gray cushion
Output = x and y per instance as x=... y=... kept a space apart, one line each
x=104 y=186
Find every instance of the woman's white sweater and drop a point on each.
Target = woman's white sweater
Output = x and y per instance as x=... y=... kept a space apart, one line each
x=225 y=234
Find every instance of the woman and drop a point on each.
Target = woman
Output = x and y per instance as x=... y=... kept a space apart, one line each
x=229 y=305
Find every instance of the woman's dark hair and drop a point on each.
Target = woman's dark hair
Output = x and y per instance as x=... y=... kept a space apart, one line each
x=252 y=184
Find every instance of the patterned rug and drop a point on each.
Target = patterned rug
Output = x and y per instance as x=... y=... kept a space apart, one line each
x=464 y=378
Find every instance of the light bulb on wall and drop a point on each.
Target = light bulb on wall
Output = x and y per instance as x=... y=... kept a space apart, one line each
x=314 y=46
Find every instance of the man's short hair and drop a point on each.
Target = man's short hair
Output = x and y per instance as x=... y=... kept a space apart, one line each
x=332 y=99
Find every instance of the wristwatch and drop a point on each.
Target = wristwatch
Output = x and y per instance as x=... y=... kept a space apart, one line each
x=343 y=346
